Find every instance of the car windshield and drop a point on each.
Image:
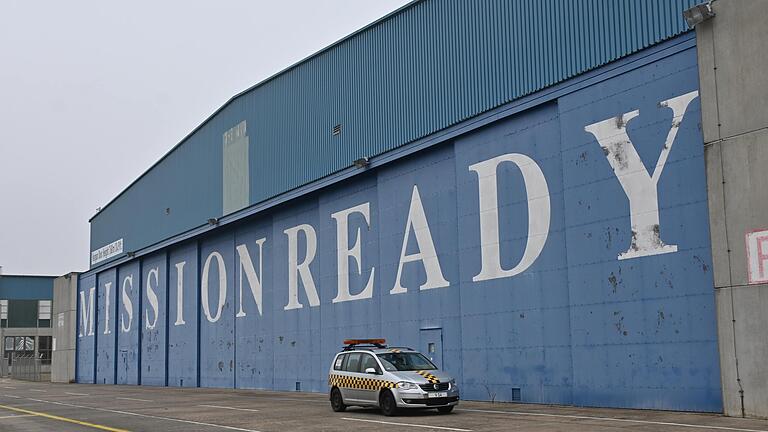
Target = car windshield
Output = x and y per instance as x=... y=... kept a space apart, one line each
x=405 y=361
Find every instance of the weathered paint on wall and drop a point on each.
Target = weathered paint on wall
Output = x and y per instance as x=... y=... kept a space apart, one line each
x=106 y=353
x=217 y=325
x=129 y=319
x=153 y=320
x=254 y=350
x=558 y=262
x=86 y=329
x=183 y=316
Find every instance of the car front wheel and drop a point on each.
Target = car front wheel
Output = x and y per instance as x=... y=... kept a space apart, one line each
x=337 y=402
x=387 y=403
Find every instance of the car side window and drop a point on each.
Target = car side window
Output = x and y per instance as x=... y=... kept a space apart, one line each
x=353 y=362
x=337 y=365
x=369 y=362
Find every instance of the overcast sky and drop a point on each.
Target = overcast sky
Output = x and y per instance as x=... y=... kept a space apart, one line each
x=94 y=92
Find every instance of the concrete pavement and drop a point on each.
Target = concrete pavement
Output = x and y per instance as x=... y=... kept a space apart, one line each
x=26 y=406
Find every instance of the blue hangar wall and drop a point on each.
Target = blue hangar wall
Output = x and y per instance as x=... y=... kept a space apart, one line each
x=559 y=254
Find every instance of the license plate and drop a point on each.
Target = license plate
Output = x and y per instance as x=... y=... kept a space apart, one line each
x=437 y=394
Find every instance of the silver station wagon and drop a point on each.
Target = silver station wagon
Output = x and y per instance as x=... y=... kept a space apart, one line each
x=368 y=373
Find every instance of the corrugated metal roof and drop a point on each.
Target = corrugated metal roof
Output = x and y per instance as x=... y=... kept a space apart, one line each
x=426 y=66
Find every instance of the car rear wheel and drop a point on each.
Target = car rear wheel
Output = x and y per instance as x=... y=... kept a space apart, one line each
x=387 y=403
x=445 y=410
x=337 y=402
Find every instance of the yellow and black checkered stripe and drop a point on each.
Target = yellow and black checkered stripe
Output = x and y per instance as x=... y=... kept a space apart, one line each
x=359 y=382
x=431 y=378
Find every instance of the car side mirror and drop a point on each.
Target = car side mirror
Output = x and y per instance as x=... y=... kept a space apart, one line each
x=371 y=371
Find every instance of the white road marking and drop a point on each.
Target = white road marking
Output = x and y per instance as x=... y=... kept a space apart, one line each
x=299 y=400
x=408 y=424
x=40 y=391
x=133 y=399
x=17 y=415
x=229 y=408
x=12 y=396
x=612 y=419
x=10 y=388
x=213 y=425
x=76 y=394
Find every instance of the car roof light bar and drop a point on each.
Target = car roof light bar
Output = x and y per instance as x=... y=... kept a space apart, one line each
x=351 y=343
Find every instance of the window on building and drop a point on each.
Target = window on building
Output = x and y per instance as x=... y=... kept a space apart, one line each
x=25 y=344
x=44 y=349
x=8 y=348
x=23 y=313
x=44 y=313
x=3 y=313
x=19 y=346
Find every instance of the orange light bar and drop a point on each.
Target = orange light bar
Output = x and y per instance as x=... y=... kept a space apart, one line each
x=365 y=341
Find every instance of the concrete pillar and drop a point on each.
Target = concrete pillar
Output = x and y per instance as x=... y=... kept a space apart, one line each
x=64 y=323
x=733 y=62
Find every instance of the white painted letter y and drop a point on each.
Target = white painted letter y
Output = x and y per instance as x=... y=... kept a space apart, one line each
x=641 y=188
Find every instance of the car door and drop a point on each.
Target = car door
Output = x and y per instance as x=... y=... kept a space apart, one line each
x=369 y=391
x=349 y=387
x=337 y=372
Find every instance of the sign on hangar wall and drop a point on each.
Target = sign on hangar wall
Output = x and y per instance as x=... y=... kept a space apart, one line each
x=560 y=255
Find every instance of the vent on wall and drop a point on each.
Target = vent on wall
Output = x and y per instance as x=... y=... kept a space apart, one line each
x=516 y=394
x=336 y=130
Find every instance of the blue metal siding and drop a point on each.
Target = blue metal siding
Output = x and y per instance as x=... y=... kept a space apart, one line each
x=86 y=341
x=183 y=338
x=153 y=325
x=641 y=323
x=14 y=287
x=129 y=297
x=515 y=329
x=431 y=65
x=254 y=350
x=217 y=332
x=106 y=328
x=297 y=339
x=579 y=326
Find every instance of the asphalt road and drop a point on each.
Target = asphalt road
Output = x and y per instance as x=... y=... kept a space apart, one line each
x=28 y=406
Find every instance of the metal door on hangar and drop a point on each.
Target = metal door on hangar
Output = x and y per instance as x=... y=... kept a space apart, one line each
x=432 y=345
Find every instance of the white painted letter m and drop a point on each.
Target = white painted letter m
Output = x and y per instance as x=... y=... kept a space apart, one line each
x=86 y=312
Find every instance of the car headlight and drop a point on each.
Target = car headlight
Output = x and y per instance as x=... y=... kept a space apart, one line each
x=405 y=385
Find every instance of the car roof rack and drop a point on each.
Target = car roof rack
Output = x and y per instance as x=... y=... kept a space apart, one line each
x=402 y=348
x=350 y=344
